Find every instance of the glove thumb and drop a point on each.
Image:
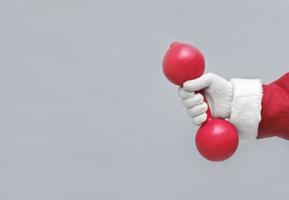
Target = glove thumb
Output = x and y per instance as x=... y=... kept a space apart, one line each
x=198 y=83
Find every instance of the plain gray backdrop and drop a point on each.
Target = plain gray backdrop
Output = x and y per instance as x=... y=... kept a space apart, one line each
x=86 y=113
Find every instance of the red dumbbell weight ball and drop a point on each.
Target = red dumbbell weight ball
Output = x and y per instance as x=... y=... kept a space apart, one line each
x=183 y=62
x=216 y=139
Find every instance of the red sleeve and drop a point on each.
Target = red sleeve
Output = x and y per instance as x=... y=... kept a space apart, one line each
x=275 y=109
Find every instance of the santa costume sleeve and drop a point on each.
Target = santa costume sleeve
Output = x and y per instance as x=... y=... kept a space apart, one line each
x=260 y=111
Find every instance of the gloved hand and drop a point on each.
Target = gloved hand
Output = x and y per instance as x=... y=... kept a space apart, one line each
x=218 y=93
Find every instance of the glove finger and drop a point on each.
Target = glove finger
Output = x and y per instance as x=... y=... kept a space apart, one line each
x=185 y=94
x=193 y=101
x=198 y=83
x=197 y=110
x=198 y=120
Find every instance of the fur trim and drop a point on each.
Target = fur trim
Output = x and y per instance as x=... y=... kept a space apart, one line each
x=246 y=107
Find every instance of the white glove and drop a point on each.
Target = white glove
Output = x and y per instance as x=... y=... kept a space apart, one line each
x=218 y=93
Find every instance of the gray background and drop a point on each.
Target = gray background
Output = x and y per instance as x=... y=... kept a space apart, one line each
x=85 y=112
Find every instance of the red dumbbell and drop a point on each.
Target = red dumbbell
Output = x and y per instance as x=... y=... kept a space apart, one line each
x=216 y=139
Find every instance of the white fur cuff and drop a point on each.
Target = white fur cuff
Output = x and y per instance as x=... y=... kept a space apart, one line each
x=246 y=107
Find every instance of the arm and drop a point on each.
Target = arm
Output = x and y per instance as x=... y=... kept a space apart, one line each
x=275 y=109
x=257 y=111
